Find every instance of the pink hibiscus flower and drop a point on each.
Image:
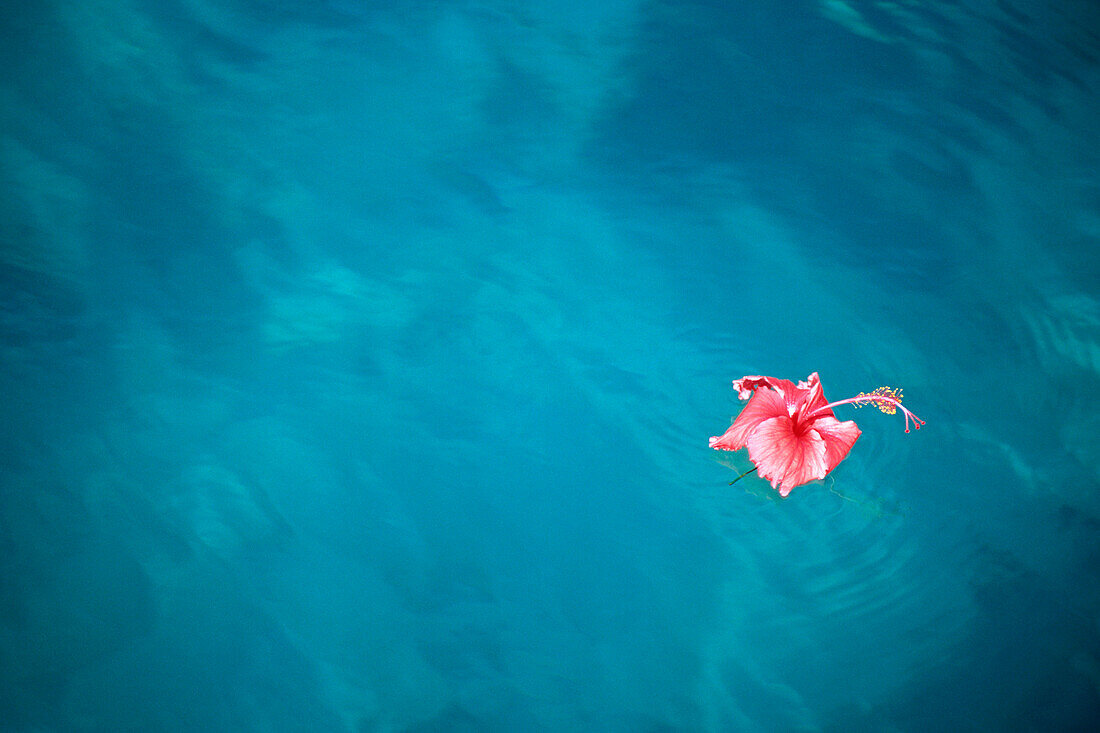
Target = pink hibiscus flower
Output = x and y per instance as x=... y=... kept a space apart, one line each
x=790 y=430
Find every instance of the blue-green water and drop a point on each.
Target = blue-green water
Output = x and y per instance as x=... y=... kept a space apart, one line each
x=359 y=359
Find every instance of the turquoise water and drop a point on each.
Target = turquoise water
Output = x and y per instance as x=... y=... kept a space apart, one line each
x=359 y=361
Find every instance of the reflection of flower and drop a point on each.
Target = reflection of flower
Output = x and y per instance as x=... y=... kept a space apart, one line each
x=790 y=430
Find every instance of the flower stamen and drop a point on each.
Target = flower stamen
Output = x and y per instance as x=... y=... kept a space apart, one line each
x=886 y=399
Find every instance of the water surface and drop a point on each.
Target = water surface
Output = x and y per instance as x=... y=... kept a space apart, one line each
x=359 y=361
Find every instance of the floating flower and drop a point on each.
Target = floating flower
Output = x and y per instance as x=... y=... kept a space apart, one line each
x=790 y=430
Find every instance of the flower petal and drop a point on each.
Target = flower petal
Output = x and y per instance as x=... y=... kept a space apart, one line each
x=813 y=396
x=745 y=387
x=839 y=438
x=784 y=458
x=764 y=404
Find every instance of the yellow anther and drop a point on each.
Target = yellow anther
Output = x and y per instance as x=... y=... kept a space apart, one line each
x=884 y=398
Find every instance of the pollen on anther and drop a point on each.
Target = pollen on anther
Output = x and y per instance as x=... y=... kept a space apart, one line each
x=886 y=399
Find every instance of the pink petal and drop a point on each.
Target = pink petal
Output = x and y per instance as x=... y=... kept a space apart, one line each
x=764 y=404
x=813 y=395
x=784 y=458
x=745 y=386
x=839 y=438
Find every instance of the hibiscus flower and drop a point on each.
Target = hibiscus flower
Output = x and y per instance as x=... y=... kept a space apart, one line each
x=790 y=430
